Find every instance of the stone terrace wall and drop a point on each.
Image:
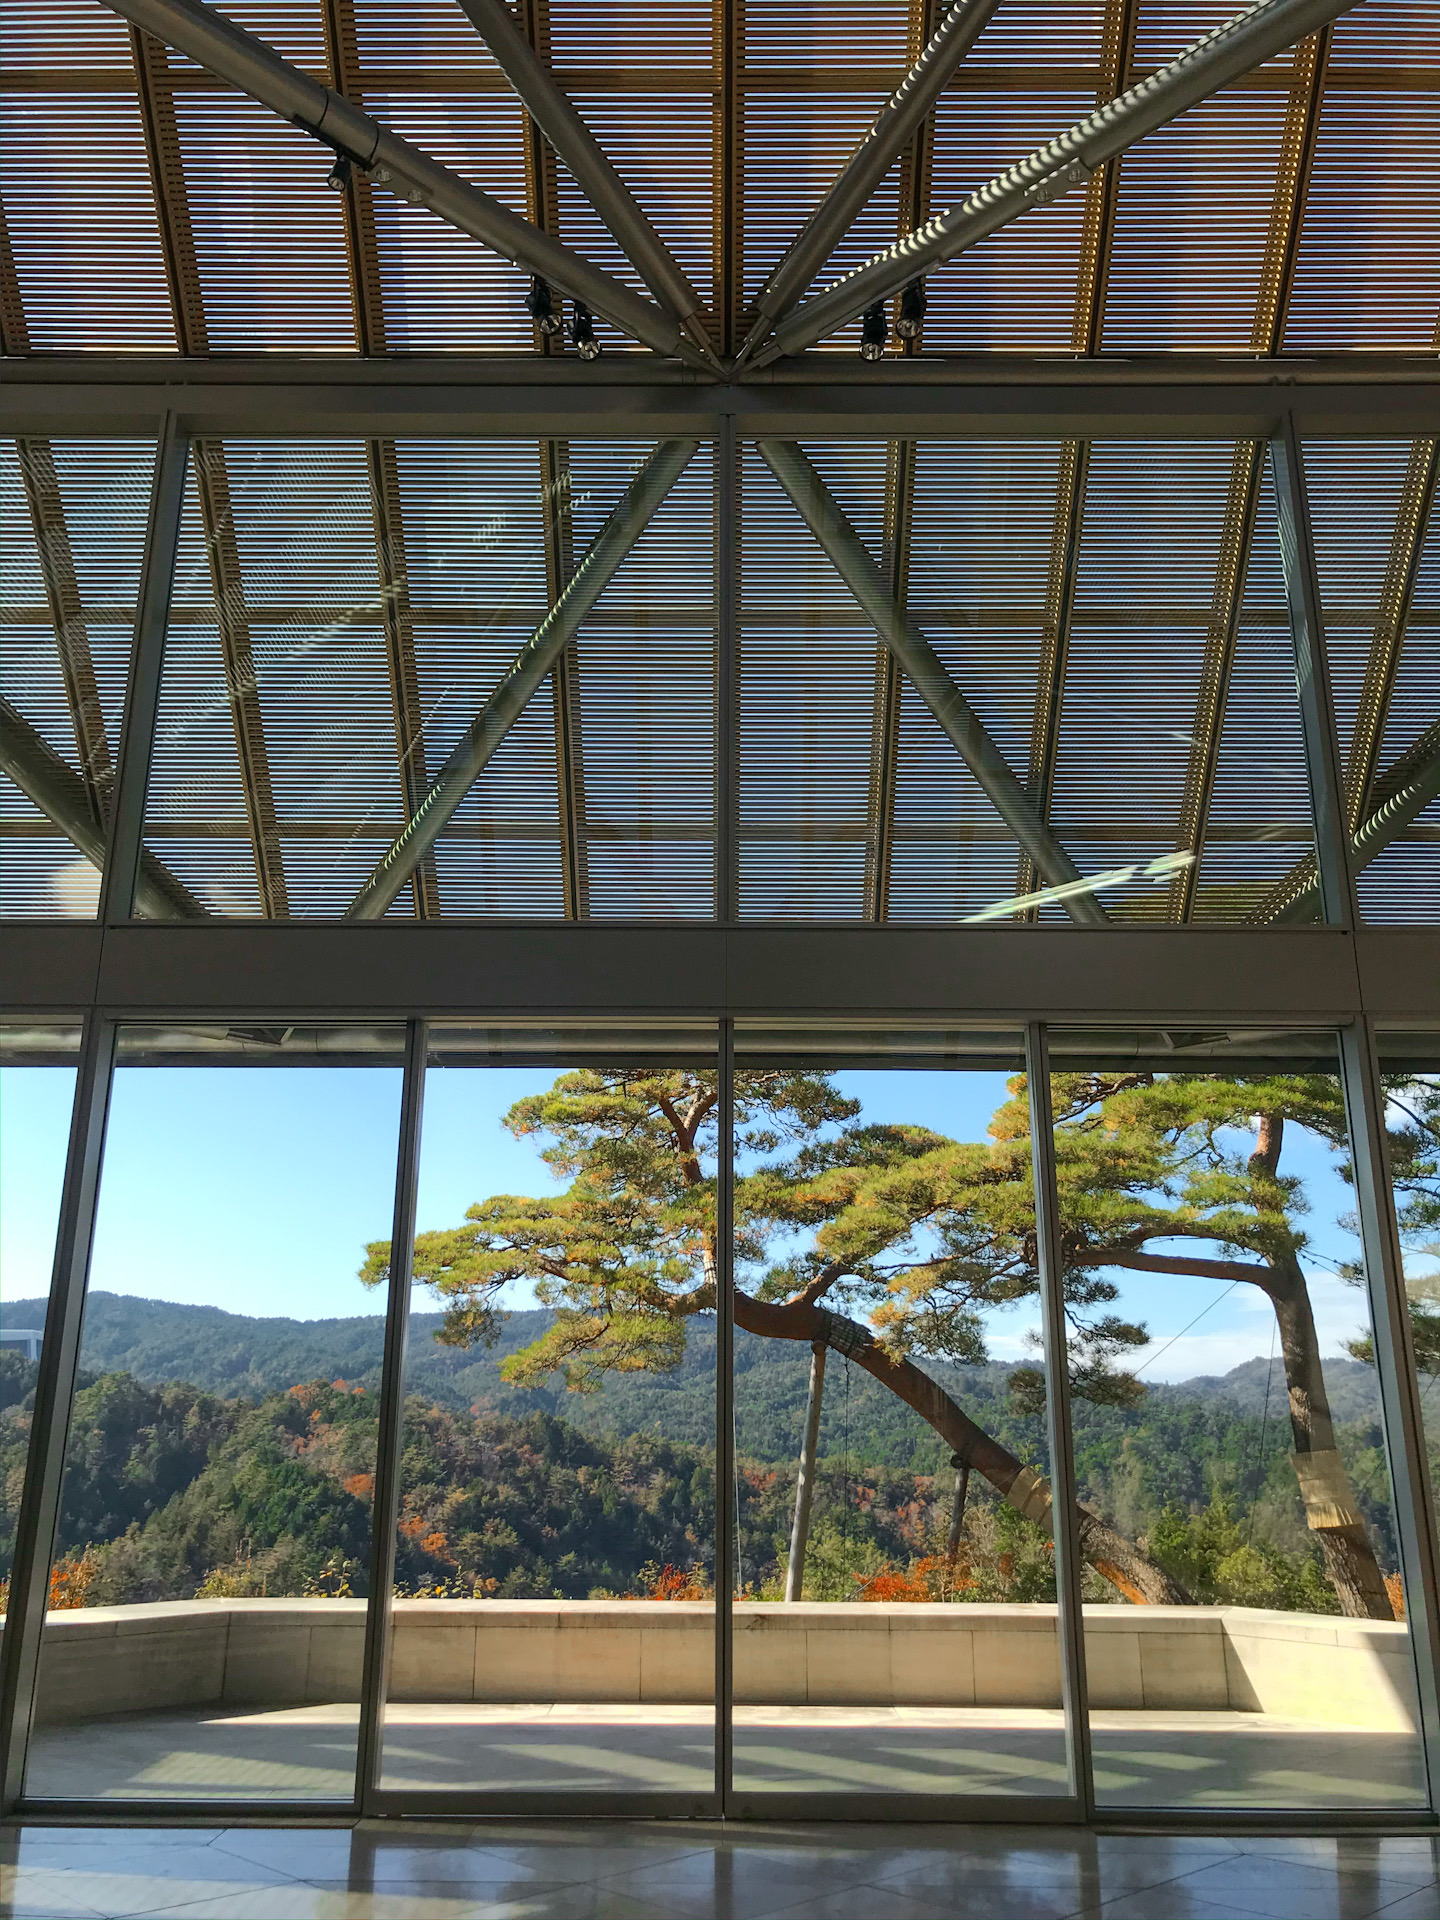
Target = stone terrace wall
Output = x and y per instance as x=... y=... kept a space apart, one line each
x=259 y=1653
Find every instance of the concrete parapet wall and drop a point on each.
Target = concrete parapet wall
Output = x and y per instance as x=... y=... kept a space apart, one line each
x=264 y=1653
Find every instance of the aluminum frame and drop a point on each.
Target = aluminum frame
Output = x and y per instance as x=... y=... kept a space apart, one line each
x=1341 y=977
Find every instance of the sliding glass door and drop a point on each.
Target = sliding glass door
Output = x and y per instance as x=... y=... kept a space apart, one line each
x=552 y=1629
x=895 y=1625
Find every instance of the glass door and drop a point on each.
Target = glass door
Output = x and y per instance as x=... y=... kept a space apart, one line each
x=895 y=1608
x=552 y=1632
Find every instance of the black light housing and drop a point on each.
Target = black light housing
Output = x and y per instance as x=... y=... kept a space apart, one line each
x=582 y=332
x=339 y=175
x=874 y=331
x=540 y=305
x=912 y=311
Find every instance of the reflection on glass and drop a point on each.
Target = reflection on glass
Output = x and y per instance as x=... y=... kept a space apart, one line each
x=1410 y=1064
x=72 y=539
x=895 y=1625
x=1252 y=1649
x=554 y=1613
x=207 y=1609
x=37 y=1094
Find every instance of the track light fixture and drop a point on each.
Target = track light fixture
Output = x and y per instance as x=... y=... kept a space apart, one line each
x=874 y=331
x=582 y=332
x=912 y=311
x=340 y=174
x=540 y=305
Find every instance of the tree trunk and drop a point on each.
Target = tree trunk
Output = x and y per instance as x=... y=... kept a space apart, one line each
x=1118 y=1559
x=805 y=1478
x=1331 y=1509
x=957 y=1512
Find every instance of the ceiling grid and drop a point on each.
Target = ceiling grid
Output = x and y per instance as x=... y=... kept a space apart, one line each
x=1281 y=214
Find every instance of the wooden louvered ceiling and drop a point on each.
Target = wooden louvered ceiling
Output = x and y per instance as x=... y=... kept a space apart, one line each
x=149 y=207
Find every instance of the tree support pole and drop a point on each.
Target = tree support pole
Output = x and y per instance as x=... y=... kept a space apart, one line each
x=1109 y=1552
x=805 y=1477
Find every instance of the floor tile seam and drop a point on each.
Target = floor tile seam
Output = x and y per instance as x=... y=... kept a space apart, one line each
x=1379 y=1911
x=1336 y=1875
x=860 y=1886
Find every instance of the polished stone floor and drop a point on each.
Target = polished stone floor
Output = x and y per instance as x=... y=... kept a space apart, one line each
x=591 y=1870
x=1191 y=1760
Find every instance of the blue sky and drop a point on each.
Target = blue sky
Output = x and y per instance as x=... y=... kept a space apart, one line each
x=256 y=1190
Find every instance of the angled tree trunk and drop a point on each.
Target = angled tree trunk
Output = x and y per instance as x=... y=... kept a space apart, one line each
x=1331 y=1509
x=1118 y=1559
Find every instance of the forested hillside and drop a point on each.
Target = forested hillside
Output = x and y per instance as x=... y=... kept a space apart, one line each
x=215 y=1453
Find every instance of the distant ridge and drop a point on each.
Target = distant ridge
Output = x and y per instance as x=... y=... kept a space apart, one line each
x=232 y=1353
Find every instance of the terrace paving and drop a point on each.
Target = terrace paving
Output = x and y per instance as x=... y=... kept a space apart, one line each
x=1155 y=1759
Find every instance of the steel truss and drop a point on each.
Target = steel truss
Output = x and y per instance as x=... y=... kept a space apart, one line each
x=1340 y=975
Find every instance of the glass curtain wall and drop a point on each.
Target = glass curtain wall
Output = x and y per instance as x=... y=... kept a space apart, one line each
x=208 y=1591
x=895 y=1624
x=1245 y=1626
x=37 y=1097
x=553 y=1624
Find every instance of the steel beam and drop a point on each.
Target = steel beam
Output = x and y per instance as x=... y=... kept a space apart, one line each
x=959 y=721
x=1071 y=479
x=892 y=130
x=1069 y=161
x=388 y=511
x=1312 y=677
x=1161 y=397
x=595 y=173
x=1397 y=595
x=62 y=796
x=242 y=683
x=131 y=872
x=1247 y=975
x=247 y=63
x=634 y=512
x=1401 y=796
x=1208 y=730
x=67 y=620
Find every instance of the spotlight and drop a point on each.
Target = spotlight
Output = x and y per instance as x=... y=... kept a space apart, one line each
x=540 y=305
x=912 y=311
x=874 y=331
x=339 y=175
x=582 y=332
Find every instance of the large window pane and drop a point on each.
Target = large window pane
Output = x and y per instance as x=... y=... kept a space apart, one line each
x=1246 y=1645
x=72 y=540
x=37 y=1096
x=553 y=1626
x=207 y=1607
x=895 y=1623
x=345 y=610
